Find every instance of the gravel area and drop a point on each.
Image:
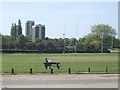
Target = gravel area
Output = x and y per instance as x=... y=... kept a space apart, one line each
x=60 y=81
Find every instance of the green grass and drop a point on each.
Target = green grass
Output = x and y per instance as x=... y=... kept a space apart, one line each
x=78 y=63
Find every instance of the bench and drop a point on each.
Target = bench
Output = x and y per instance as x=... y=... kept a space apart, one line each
x=52 y=64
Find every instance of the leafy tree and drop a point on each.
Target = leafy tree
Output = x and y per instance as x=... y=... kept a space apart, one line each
x=21 y=40
x=7 y=42
x=102 y=28
x=91 y=41
x=81 y=40
x=61 y=44
x=116 y=43
x=67 y=41
x=102 y=33
x=16 y=30
x=27 y=38
x=73 y=41
x=38 y=40
x=13 y=31
x=40 y=46
x=30 y=46
x=19 y=29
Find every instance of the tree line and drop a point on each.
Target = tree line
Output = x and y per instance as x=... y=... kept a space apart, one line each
x=16 y=30
x=101 y=37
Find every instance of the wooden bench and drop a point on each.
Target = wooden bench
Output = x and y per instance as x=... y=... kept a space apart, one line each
x=52 y=64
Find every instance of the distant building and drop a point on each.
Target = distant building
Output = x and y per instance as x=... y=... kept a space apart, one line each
x=38 y=32
x=35 y=32
x=28 y=27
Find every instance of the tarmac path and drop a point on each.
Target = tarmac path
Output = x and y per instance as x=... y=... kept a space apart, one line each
x=60 y=81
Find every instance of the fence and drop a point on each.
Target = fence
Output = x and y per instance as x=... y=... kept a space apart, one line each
x=69 y=71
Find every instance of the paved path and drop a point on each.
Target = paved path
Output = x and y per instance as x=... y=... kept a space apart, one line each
x=61 y=81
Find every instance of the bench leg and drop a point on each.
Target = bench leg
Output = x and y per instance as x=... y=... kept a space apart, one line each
x=49 y=67
x=58 y=67
x=46 y=67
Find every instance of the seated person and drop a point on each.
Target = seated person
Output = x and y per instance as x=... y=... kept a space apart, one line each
x=46 y=60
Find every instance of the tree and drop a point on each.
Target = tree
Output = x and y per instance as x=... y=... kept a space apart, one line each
x=7 y=42
x=13 y=31
x=67 y=41
x=81 y=40
x=21 y=41
x=30 y=46
x=73 y=41
x=19 y=28
x=27 y=38
x=61 y=44
x=104 y=34
x=116 y=43
x=16 y=30
x=38 y=40
x=102 y=28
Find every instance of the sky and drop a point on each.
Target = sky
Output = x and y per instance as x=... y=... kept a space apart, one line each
x=74 y=19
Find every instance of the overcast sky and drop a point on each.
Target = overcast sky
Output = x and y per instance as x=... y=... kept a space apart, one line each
x=55 y=15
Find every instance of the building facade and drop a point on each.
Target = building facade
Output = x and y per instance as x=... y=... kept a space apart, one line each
x=28 y=27
x=35 y=32
x=38 y=32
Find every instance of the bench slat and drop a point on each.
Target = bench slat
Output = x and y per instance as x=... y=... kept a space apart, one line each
x=54 y=64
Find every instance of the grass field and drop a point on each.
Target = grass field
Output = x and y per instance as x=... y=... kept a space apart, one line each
x=78 y=63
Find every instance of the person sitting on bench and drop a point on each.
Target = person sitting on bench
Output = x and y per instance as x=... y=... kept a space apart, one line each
x=48 y=63
x=46 y=60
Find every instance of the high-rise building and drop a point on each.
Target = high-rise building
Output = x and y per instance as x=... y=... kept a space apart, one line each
x=28 y=27
x=43 y=31
x=38 y=32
